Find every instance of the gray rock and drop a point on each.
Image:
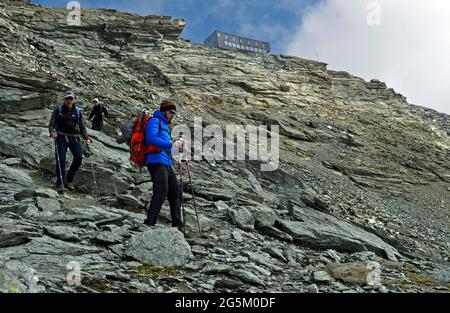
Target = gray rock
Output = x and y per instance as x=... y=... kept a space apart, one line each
x=46 y=193
x=109 y=180
x=221 y=206
x=291 y=254
x=273 y=232
x=247 y=277
x=130 y=201
x=321 y=277
x=312 y=289
x=261 y=258
x=363 y=256
x=257 y=269
x=51 y=246
x=242 y=218
x=264 y=215
x=11 y=161
x=355 y=273
x=334 y=255
x=237 y=236
x=206 y=224
x=48 y=204
x=216 y=269
x=313 y=201
x=16 y=277
x=24 y=194
x=88 y=225
x=108 y=238
x=63 y=232
x=12 y=180
x=16 y=208
x=215 y=194
x=275 y=253
x=228 y=283
x=160 y=247
x=324 y=231
x=31 y=211
x=17 y=231
x=372 y=155
x=443 y=275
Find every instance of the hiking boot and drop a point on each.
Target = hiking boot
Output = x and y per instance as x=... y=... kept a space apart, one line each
x=147 y=223
x=60 y=189
x=180 y=227
x=70 y=186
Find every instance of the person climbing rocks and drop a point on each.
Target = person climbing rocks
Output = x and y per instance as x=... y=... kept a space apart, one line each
x=97 y=113
x=65 y=127
x=159 y=164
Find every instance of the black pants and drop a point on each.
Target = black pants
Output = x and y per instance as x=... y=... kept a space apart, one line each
x=97 y=123
x=165 y=184
x=73 y=144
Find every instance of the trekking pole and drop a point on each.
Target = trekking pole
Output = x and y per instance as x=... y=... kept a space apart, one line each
x=59 y=167
x=193 y=192
x=93 y=172
x=180 y=169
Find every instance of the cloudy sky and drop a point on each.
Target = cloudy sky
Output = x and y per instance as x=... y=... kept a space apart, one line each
x=405 y=43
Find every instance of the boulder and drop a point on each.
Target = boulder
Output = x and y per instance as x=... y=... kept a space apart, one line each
x=46 y=193
x=321 y=277
x=160 y=247
x=28 y=143
x=129 y=201
x=273 y=232
x=25 y=194
x=11 y=161
x=364 y=273
x=264 y=215
x=221 y=206
x=107 y=181
x=16 y=277
x=247 y=277
x=242 y=218
x=322 y=230
x=63 y=233
x=48 y=204
x=14 y=232
x=11 y=181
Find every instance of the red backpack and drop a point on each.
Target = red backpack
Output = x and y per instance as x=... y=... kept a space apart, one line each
x=138 y=148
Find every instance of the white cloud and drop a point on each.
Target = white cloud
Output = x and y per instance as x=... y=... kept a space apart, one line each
x=409 y=50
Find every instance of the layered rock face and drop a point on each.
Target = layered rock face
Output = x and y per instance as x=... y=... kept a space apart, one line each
x=363 y=175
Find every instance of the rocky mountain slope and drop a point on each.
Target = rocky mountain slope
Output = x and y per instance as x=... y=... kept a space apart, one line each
x=363 y=176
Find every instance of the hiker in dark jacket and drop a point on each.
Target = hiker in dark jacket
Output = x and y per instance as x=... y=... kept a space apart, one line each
x=164 y=180
x=65 y=127
x=98 y=112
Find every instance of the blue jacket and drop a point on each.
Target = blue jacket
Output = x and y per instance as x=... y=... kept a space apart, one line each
x=160 y=137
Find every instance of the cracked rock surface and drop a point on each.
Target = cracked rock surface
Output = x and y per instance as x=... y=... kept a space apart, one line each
x=363 y=175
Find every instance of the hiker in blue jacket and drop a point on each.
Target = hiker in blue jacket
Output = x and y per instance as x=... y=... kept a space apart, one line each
x=164 y=180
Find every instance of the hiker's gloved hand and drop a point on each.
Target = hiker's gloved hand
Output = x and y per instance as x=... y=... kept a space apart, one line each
x=178 y=144
x=54 y=135
x=88 y=141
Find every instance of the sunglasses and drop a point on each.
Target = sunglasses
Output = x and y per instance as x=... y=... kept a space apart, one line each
x=173 y=112
x=70 y=99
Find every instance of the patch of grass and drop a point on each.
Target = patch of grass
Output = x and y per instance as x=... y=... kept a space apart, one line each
x=410 y=267
x=393 y=266
x=95 y=283
x=135 y=210
x=422 y=280
x=151 y=271
x=416 y=280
